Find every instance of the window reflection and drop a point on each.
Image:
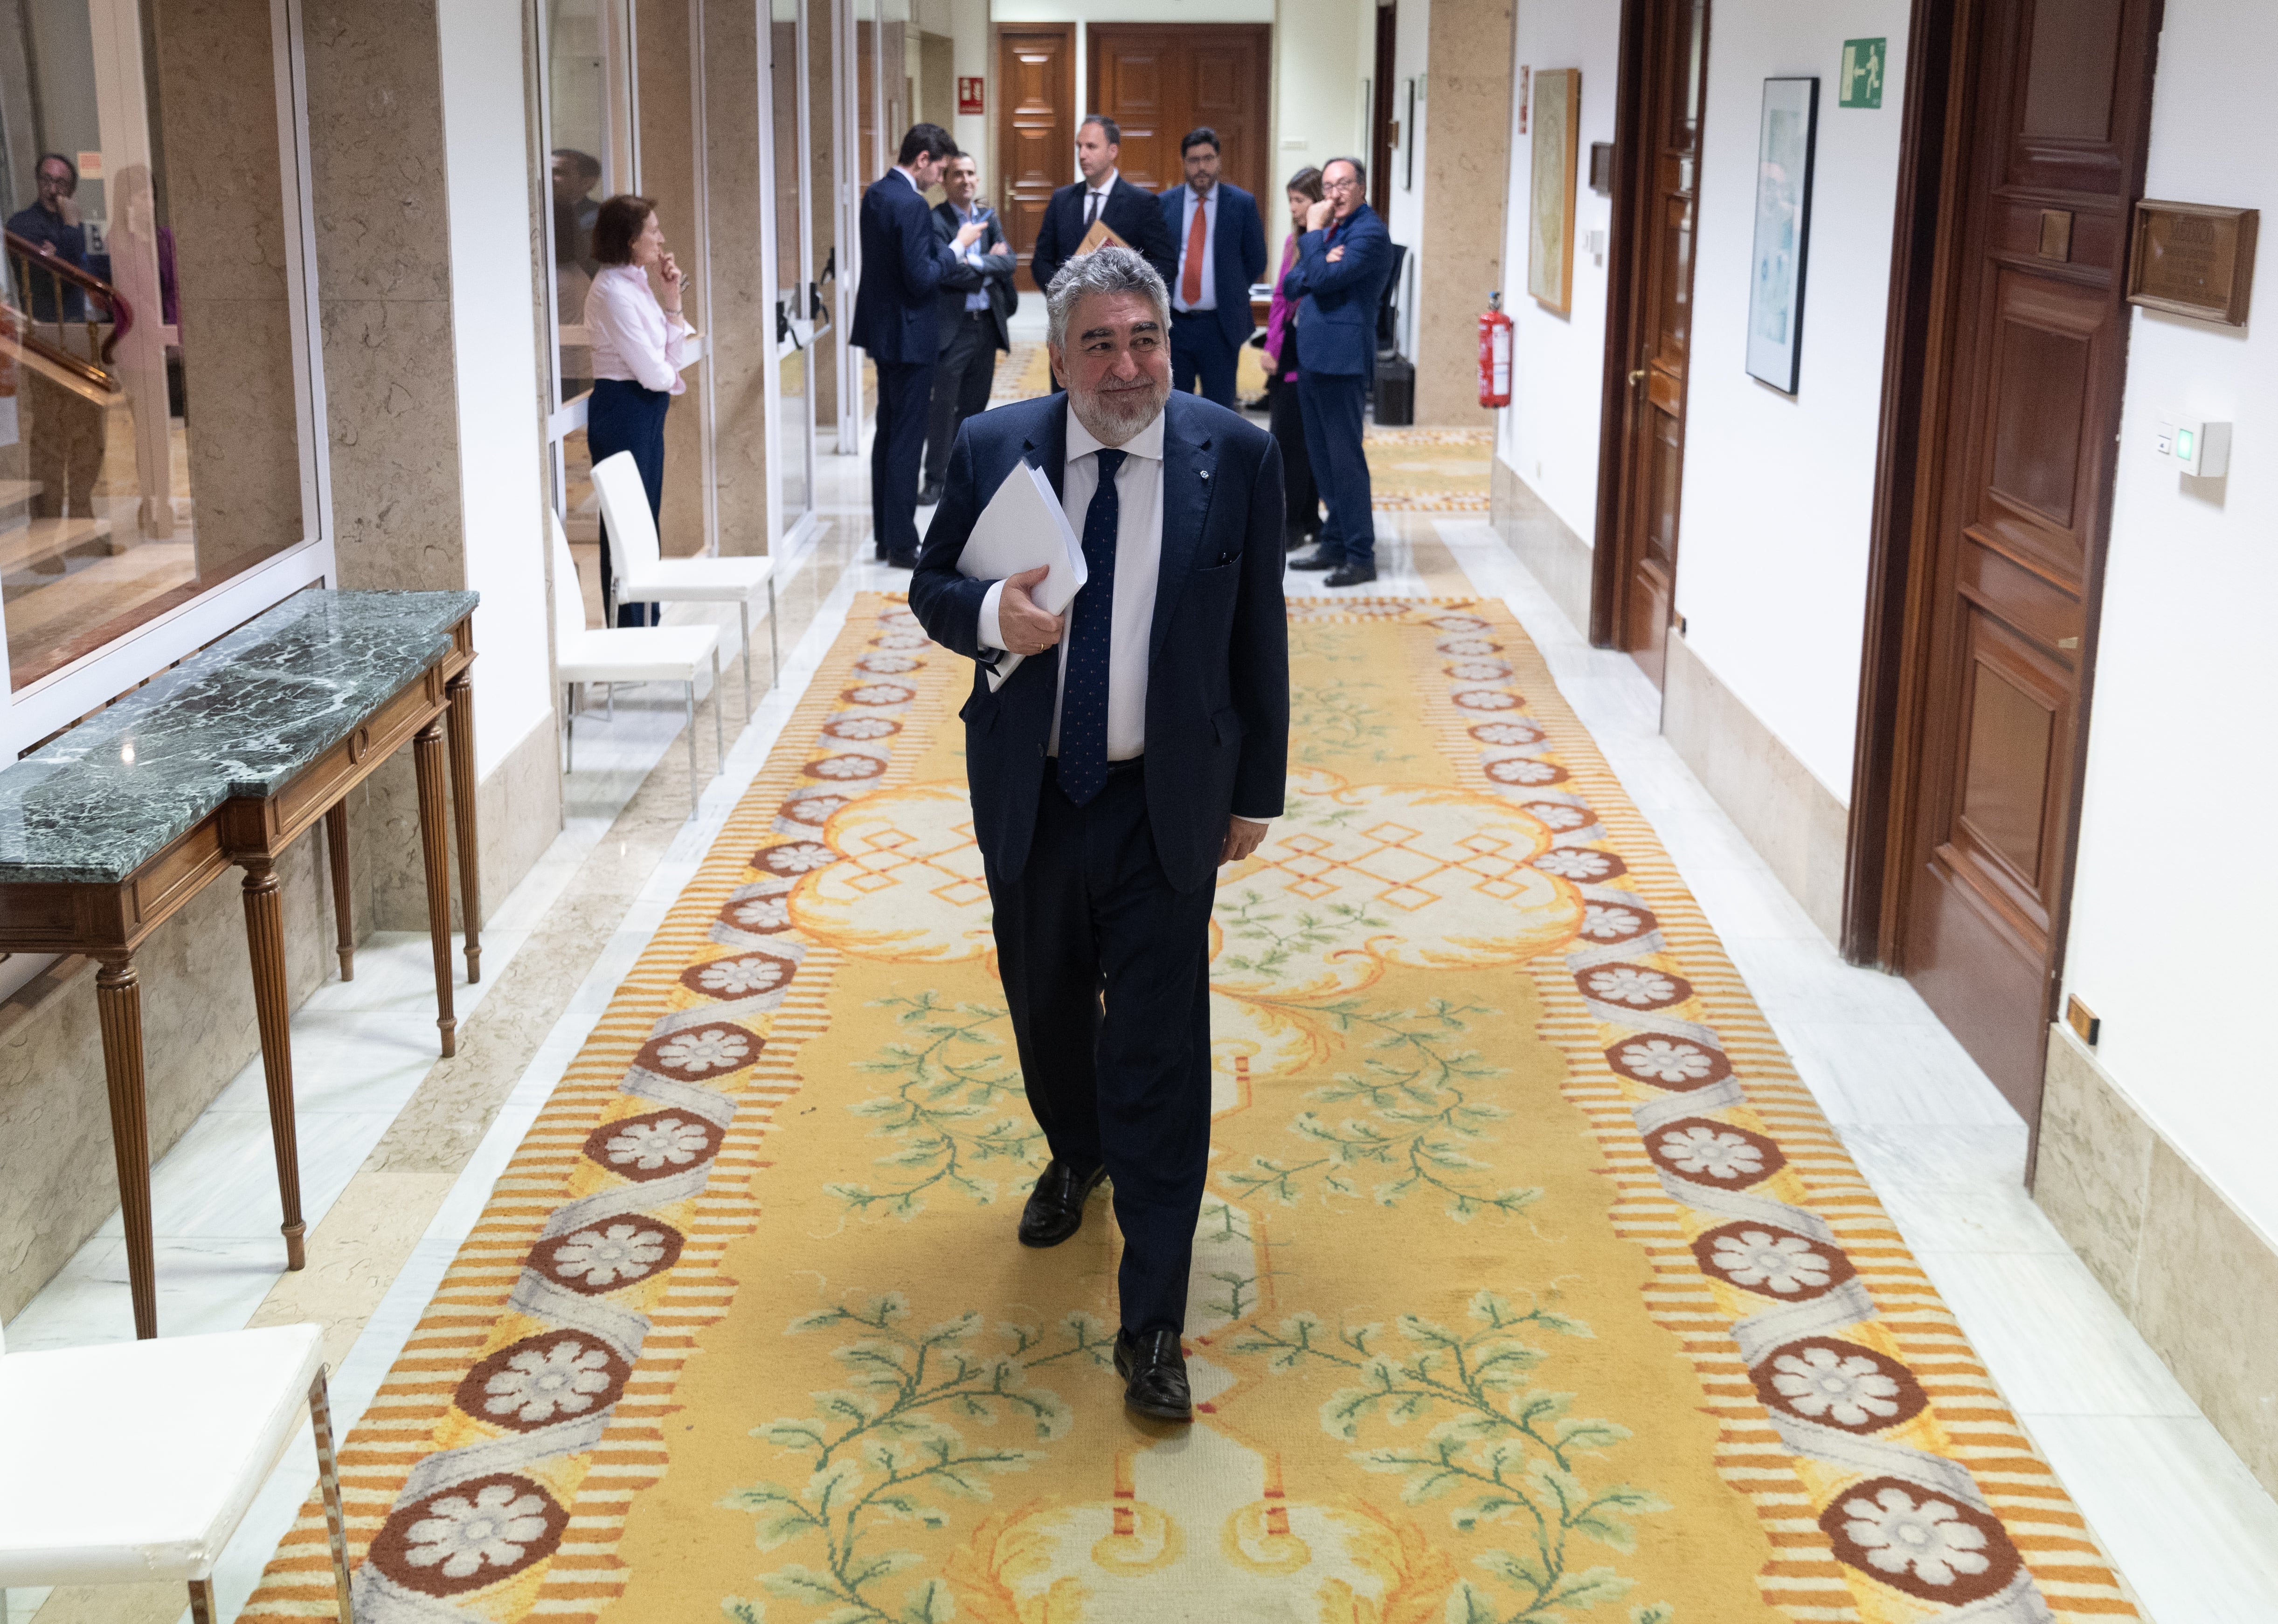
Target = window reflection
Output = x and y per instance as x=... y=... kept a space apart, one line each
x=137 y=268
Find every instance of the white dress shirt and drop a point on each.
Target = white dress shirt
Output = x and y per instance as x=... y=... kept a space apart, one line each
x=1138 y=568
x=1092 y=212
x=1209 y=206
x=632 y=337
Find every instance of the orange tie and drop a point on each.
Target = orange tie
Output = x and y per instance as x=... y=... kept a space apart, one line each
x=1190 y=276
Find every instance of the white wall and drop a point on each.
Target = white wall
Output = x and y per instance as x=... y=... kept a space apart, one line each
x=1772 y=571
x=495 y=349
x=1549 y=434
x=969 y=30
x=2176 y=958
x=1324 y=51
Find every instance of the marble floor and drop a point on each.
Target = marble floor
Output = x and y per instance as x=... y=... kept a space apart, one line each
x=400 y=1151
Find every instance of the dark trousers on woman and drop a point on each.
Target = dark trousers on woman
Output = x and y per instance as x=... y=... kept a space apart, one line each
x=1287 y=416
x=622 y=415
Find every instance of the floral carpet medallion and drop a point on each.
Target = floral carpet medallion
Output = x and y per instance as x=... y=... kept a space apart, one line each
x=1530 y=1286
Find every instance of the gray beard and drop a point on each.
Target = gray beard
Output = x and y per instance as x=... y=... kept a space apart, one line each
x=1112 y=419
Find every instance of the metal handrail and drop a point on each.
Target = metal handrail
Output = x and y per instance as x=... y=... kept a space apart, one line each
x=27 y=257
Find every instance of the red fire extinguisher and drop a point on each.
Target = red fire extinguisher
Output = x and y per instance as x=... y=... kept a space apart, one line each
x=1495 y=354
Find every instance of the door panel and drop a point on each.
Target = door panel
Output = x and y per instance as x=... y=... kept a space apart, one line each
x=2031 y=405
x=1158 y=82
x=1035 y=127
x=1650 y=440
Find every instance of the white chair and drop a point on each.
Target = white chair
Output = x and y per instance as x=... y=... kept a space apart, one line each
x=646 y=576
x=629 y=654
x=134 y=1461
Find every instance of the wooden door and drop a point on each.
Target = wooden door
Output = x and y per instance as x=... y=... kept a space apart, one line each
x=1661 y=121
x=1158 y=82
x=2052 y=143
x=1382 y=113
x=1036 y=128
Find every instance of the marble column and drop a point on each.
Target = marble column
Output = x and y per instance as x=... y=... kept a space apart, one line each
x=671 y=174
x=740 y=307
x=822 y=192
x=1466 y=165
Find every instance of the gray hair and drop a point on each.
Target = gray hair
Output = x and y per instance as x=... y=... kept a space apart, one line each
x=1110 y=270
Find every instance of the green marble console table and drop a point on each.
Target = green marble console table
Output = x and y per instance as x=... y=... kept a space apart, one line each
x=110 y=828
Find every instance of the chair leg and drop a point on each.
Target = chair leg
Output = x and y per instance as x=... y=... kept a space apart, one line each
x=719 y=737
x=745 y=610
x=570 y=730
x=775 y=644
x=609 y=703
x=695 y=784
x=328 y=1478
x=203 y=1609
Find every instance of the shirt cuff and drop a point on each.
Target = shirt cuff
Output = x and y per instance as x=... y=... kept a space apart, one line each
x=1246 y=818
x=991 y=635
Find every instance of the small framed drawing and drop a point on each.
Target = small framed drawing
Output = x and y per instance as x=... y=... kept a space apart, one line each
x=1550 y=211
x=1784 y=155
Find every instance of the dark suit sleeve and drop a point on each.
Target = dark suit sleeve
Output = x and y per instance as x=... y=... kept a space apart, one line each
x=948 y=605
x=926 y=258
x=1367 y=252
x=1260 y=663
x=1156 y=242
x=1046 y=258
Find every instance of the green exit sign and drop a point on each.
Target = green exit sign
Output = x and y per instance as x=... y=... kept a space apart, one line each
x=1862 y=72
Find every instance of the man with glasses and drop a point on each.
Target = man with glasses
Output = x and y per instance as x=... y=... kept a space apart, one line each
x=1343 y=262
x=1221 y=251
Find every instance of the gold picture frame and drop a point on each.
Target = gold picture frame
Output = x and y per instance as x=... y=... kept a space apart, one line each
x=1550 y=206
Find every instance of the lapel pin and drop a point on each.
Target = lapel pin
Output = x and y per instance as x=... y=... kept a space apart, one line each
x=1205 y=473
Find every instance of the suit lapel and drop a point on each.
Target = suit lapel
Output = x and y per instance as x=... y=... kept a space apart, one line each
x=1189 y=468
x=1047 y=446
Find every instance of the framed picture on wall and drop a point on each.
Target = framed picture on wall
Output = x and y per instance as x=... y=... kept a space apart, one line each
x=1784 y=145
x=1550 y=206
x=1408 y=135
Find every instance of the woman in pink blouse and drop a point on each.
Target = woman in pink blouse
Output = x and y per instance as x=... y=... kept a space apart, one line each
x=1304 y=507
x=638 y=347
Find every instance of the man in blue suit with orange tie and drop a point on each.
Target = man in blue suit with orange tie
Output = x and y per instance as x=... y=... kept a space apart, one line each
x=903 y=264
x=1343 y=261
x=1221 y=251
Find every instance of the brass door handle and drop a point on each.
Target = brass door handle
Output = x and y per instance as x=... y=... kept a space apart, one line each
x=1638 y=376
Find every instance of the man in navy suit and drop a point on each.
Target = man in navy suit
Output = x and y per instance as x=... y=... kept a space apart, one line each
x=895 y=314
x=1131 y=212
x=1221 y=251
x=977 y=302
x=1343 y=261
x=1140 y=744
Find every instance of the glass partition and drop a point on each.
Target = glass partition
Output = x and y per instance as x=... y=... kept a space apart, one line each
x=796 y=306
x=155 y=412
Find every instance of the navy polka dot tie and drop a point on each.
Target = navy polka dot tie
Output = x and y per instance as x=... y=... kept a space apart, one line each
x=1083 y=701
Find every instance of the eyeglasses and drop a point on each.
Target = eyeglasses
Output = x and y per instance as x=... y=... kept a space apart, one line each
x=1347 y=185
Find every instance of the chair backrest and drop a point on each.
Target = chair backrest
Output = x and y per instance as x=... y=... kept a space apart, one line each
x=569 y=595
x=624 y=507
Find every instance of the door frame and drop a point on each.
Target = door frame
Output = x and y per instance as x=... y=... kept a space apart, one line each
x=1629 y=240
x=1262 y=33
x=1920 y=329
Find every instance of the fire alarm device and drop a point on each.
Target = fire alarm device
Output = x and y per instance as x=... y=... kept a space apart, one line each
x=2195 y=446
x=969 y=97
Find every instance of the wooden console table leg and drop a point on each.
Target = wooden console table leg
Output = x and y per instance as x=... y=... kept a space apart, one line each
x=462 y=815
x=119 y=1006
x=427 y=758
x=265 y=934
x=336 y=853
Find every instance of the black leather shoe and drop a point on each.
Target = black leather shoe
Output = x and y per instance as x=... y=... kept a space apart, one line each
x=1352 y=575
x=1314 y=560
x=1154 y=1371
x=1055 y=1209
x=1298 y=541
x=909 y=560
x=929 y=496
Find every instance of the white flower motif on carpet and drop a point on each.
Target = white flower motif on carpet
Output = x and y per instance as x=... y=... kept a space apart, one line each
x=539 y=1383
x=1925 y=1538
x=462 y=1536
x=1819 y=1381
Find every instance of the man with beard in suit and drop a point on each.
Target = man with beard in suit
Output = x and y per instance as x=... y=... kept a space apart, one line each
x=977 y=302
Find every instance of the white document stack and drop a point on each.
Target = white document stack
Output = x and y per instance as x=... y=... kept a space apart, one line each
x=1023 y=527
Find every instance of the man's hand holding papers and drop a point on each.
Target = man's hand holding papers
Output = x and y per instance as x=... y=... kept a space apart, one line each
x=1027 y=628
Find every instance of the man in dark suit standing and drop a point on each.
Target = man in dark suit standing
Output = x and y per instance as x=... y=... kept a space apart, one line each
x=1140 y=744
x=1131 y=212
x=978 y=303
x=895 y=319
x=1221 y=251
x=1343 y=261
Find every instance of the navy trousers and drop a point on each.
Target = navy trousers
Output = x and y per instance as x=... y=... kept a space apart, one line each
x=1199 y=345
x=1332 y=405
x=624 y=416
x=905 y=398
x=1106 y=970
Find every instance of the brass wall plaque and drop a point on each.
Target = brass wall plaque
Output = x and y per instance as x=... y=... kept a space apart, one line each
x=2193 y=259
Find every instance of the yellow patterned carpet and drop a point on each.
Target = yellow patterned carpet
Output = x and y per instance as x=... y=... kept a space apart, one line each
x=1531 y=1285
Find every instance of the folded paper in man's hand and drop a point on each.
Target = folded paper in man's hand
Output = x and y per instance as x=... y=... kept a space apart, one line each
x=1023 y=527
x=1098 y=237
